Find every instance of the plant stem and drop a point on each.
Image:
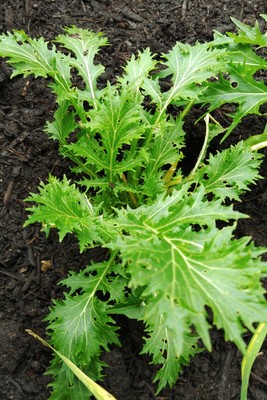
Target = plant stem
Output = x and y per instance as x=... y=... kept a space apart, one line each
x=169 y=174
x=204 y=147
x=131 y=195
x=259 y=146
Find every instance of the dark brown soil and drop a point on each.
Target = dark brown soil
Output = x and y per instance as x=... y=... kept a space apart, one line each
x=27 y=156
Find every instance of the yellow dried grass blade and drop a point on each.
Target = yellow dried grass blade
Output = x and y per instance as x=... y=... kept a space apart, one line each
x=99 y=392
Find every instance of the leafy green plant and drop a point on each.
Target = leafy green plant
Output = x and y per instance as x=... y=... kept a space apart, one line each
x=173 y=262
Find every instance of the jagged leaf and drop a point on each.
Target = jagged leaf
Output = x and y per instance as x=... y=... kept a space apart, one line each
x=80 y=325
x=115 y=123
x=241 y=89
x=174 y=249
x=84 y=45
x=63 y=125
x=230 y=172
x=137 y=69
x=33 y=56
x=165 y=150
x=189 y=66
x=63 y=206
x=249 y=34
x=27 y=55
x=169 y=339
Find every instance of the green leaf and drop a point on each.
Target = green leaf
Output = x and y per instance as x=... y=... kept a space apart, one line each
x=84 y=45
x=248 y=34
x=164 y=150
x=62 y=206
x=189 y=207
x=165 y=147
x=151 y=87
x=175 y=250
x=169 y=339
x=28 y=56
x=242 y=54
x=32 y=56
x=231 y=172
x=117 y=120
x=190 y=66
x=137 y=69
x=63 y=125
x=80 y=326
x=241 y=89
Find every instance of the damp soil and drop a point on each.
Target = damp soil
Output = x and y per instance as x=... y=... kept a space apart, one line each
x=27 y=157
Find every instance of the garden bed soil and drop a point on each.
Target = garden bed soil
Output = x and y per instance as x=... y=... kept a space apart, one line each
x=31 y=265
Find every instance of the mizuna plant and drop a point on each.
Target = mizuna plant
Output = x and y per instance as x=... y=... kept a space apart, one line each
x=173 y=260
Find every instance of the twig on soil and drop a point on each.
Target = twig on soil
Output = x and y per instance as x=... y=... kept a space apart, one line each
x=18 y=140
x=8 y=192
x=184 y=6
x=30 y=254
x=225 y=372
x=83 y=6
x=25 y=88
x=16 y=384
x=38 y=267
x=241 y=14
x=32 y=261
x=258 y=378
x=29 y=280
x=19 y=278
x=28 y=8
x=10 y=186
x=35 y=233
